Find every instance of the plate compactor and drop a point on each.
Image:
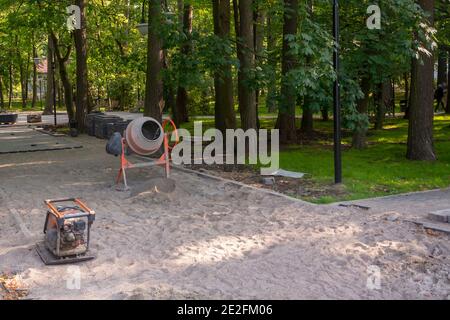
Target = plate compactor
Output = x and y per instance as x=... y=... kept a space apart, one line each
x=67 y=232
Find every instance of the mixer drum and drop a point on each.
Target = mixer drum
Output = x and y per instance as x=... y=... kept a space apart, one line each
x=144 y=136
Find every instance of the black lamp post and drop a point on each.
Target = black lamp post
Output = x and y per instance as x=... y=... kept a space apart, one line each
x=336 y=98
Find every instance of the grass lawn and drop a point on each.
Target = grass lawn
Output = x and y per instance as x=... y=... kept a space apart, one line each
x=379 y=170
x=16 y=106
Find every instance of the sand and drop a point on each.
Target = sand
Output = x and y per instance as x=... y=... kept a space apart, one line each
x=199 y=238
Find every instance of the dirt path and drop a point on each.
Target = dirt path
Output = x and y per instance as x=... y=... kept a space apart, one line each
x=207 y=239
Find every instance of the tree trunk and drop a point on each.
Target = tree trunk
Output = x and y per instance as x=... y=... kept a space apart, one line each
x=33 y=101
x=406 y=77
x=49 y=96
x=59 y=93
x=168 y=89
x=325 y=114
x=271 y=99
x=181 y=112
x=154 y=99
x=393 y=98
x=259 y=18
x=239 y=45
x=224 y=114
x=442 y=67
x=23 y=88
x=360 y=133
x=81 y=99
x=384 y=97
x=68 y=94
x=27 y=75
x=247 y=97
x=11 y=85
x=286 y=112
x=308 y=112
x=307 y=118
x=2 y=99
x=420 y=132
x=91 y=103
x=380 y=110
x=447 y=109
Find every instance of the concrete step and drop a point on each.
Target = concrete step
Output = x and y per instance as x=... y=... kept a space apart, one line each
x=441 y=227
x=442 y=216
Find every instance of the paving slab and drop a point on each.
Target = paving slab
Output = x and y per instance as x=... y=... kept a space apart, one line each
x=25 y=139
x=440 y=216
x=441 y=227
x=61 y=118
x=410 y=205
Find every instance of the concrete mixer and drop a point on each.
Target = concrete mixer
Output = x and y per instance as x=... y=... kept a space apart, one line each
x=144 y=137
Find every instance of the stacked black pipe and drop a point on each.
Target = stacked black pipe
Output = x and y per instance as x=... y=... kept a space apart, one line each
x=103 y=126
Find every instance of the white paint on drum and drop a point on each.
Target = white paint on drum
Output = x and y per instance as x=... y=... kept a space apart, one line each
x=136 y=140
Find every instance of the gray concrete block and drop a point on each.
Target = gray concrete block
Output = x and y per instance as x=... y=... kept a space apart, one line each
x=441 y=227
x=268 y=181
x=440 y=216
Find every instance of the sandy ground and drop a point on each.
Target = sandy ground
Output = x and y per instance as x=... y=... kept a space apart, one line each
x=208 y=239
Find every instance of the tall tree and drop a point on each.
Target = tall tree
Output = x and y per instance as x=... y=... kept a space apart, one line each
x=2 y=99
x=271 y=98
x=406 y=77
x=247 y=95
x=82 y=69
x=420 y=132
x=154 y=100
x=307 y=125
x=50 y=74
x=11 y=84
x=181 y=112
x=62 y=60
x=224 y=114
x=442 y=66
x=359 y=140
x=383 y=102
x=447 y=109
x=286 y=113
x=34 y=99
x=23 y=82
x=259 y=19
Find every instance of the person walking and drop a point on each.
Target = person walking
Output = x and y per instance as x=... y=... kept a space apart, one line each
x=439 y=96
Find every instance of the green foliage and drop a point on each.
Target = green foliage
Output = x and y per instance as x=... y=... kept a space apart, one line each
x=378 y=55
x=442 y=19
x=117 y=51
x=121 y=90
x=314 y=76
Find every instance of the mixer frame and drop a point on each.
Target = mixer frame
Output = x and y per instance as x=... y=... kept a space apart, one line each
x=164 y=160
